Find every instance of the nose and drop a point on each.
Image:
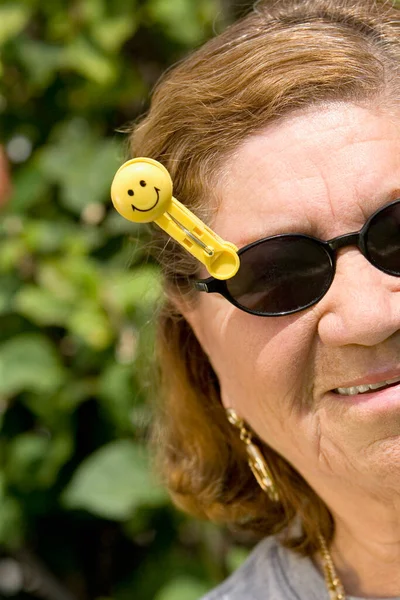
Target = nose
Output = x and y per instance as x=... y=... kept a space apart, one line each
x=362 y=305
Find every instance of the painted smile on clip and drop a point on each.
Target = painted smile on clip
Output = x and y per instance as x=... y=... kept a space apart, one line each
x=151 y=207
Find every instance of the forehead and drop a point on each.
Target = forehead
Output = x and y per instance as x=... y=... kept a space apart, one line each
x=321 y=172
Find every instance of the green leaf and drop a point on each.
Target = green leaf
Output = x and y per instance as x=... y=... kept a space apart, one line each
x=13 y=18
x=183 y=588
x=54 y=276
x=11 y=518
x=92 y=11
x=25 y=453
x=139 y=288
x=46 y=236
x=53 y=409
x=41 y=306
x=111 y=33
x=29 y=189
x=113 y=481
x=34 y=459
x=8 y=286
x=60 y=451
x=12 y=251
x=29 y=362
x=84 y=58
x=191 y=17
x=81 y=163
x=236 y=557
x=71 y=278
x=116 y=394
x=90 y=323
x=42 y=60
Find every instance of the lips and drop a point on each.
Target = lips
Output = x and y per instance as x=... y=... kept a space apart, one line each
x=369 y=383
x=362 y=389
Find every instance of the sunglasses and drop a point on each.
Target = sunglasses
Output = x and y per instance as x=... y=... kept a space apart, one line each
x=287 y=273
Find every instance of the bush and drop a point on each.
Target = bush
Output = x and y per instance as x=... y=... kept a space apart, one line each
x=80 y=514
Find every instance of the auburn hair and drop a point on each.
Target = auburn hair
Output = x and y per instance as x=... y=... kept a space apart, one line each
x=283 y=56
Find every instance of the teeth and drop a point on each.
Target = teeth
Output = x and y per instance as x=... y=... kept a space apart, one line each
x=360 y=389
x=375 y=386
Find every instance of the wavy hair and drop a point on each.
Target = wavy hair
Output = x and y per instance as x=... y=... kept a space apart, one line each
x=283 y=56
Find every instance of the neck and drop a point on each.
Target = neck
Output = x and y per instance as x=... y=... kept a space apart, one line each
x=366 y=548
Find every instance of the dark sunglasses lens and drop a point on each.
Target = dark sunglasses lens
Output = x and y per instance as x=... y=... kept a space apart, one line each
x=281 y=275
x=383 y=239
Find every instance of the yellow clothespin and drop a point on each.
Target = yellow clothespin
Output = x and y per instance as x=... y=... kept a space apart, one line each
x=142 y=192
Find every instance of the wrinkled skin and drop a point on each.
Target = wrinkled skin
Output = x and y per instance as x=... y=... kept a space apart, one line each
x=322 y=172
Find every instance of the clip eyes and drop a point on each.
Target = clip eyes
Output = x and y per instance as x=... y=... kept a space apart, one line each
x=142 y=192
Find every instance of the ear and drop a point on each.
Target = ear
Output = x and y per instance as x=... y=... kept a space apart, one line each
x=190 y=310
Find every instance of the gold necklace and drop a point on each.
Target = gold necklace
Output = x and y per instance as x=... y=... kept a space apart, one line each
x=333 y=583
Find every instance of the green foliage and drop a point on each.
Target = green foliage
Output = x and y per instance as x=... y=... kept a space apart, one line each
x=113 y=482
x=182 y=588
x=29 y=362
x=11 y=518
x=77 y=300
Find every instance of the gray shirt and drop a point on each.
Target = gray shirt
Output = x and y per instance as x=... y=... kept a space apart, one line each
x=272 y=572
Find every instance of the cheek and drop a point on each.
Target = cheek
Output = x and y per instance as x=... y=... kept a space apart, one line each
x=265 y=370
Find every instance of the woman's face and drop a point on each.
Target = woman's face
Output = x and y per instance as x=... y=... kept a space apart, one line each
x=321 y=173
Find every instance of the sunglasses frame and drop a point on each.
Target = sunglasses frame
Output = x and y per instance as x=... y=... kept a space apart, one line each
x=212 y=285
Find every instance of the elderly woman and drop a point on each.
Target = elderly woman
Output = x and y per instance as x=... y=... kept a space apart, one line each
x=283 y=135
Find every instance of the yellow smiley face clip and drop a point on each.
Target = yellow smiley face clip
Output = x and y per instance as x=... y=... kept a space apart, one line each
x=142 y=192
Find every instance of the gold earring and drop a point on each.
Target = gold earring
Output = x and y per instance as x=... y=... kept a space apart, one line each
x=256 y=460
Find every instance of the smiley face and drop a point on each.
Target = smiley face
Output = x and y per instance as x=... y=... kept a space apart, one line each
x=131 y=193
x=142 y=190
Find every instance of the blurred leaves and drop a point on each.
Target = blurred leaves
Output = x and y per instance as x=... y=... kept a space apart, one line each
x=13 y=18
x=83 y=57
x=113 y=481
x=41 y=60
x=11 y=517
x=29 y=362
x=236 y=557
x=180 y=19
x=77 y=303
x=182 y=588
x=35 y=458
x=80 y=162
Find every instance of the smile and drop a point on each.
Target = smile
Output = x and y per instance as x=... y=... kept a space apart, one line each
x=362 y=389
x=151 y=207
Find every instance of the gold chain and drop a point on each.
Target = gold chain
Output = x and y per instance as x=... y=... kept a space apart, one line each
x=333 y=583
x=264 y=478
